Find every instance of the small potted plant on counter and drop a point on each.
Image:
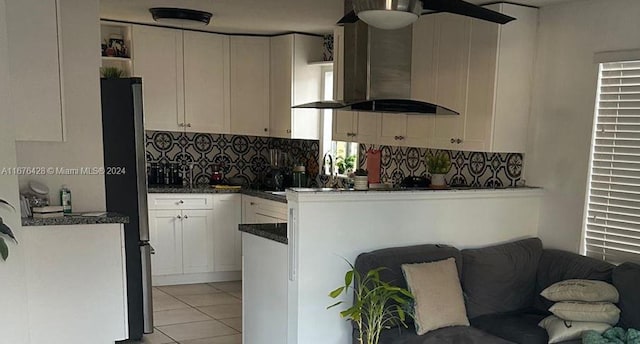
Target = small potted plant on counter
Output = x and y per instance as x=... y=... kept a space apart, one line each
x=5 y=231
x=377 y=305
x=361 y=179
x=438 y=165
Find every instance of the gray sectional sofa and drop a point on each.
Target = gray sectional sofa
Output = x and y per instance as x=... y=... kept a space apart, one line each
x=501 y=286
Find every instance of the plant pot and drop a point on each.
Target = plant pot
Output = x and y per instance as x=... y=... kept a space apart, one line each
x=361 y=182
x=437 y=181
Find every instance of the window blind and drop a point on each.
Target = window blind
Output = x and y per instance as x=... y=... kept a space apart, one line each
x=612 y=224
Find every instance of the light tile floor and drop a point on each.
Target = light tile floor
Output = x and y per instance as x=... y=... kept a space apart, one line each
x=208 y=313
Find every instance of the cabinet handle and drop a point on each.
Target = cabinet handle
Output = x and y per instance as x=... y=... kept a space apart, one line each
x=266 y=129
x=181 y=125
x=179 y=217
x=180 y=202
x=186 y=216
x=288 y=131
x=395 y=137
x=252 y=203
x=459 y=141
x=188 y=125
x=453 y=140
x=400 y=138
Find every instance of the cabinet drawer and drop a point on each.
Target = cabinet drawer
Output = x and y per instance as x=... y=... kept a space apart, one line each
x=272 y=209
x=180 y=201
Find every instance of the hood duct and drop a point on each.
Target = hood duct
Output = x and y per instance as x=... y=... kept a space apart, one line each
x=377 y=73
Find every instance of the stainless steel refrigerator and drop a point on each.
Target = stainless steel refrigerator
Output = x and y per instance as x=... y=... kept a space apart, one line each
x=124 y=148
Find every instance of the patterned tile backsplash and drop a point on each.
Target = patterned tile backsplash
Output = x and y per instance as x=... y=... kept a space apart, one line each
x=238 y=156
x=477 y=169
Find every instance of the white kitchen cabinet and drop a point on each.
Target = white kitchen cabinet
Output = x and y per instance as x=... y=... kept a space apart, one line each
x=354 y=126
x=165 y=235
x=405 y=130
x=195 y=237
x=76 y=283
x=227 y=238
x=293 y=81
x=206 y=82
x=249 y=72
x=185 y=79
x=481 y=70
x=439 y=73
x=34 y=52
x=158 y=59
x=259 y=210
x=197 y=241
x=500 y=81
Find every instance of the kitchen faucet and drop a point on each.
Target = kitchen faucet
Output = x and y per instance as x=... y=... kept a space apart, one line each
x=332 y=182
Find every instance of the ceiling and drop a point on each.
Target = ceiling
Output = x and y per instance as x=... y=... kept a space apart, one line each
x=253 y=16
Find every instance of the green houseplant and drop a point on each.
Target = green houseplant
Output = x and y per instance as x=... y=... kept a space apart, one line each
x=111 y=72
x=345 y=165
x=5 y=231
x=438 y=165
x=377 y=305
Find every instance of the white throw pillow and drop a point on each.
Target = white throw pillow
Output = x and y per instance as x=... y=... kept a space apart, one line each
x=581 y=290
x=601 y=312
x=561 y=330
x=437 y=294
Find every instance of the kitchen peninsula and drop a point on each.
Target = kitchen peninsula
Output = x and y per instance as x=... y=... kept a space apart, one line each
x=327 y=226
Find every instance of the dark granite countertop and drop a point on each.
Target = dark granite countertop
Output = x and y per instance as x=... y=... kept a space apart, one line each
x=272 y=231
x=269 y=195
x=76 y=219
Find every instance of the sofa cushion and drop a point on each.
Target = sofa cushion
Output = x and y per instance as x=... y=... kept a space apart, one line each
x=500 y=279
x=603 y=312
x=438 y=295
x=560 y=330
x=556 y=266
x=447 y=335
x=518 y=327
x=626 y=278
x=581 y=290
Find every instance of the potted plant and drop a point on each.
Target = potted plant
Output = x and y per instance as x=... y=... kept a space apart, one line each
x=361 y=179
x=377 y=305
x=345 y=165
x=5 y=231
x=111 y=72
x=438 y=165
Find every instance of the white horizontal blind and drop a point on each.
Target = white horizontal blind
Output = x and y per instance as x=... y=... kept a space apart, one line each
x=612 y=230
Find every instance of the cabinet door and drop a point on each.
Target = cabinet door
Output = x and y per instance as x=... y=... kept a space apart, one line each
x=206 y=82
x=281 y=81
x=424 y=58
x=307 y=82
x=165 y=235
x=227 y=241
x=34 y=69
x=420 y=129
x=366 y=125
x=159 y=61
x=452 y=61
x=343 y=125
x=393 y=129
x=338 y=63
x=197 y=241
x=250 y=63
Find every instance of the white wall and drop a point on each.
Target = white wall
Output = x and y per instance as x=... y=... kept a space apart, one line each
x=13 y=296
x=83 y=147
x=563 y=105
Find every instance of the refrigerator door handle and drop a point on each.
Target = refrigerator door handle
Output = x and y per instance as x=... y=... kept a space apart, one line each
x=147 y=297
x=152 y=250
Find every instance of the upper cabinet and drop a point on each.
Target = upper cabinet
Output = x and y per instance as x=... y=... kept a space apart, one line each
x=294 y=81
x=481 y=70
x=351 y=126
x=34 y=49
x=206 y=82
x=250 y=71
x=159 y=61
x=185 y=79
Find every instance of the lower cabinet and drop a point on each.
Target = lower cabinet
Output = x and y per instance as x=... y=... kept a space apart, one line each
x=195 y=245
x=258 y=210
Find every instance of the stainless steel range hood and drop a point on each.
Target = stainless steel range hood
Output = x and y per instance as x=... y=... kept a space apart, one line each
x=377 y=73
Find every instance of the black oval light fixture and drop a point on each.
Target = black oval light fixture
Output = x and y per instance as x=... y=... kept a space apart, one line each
x=180 y=15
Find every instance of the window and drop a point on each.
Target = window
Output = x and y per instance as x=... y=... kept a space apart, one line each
x=612 y=216
x=346 y=153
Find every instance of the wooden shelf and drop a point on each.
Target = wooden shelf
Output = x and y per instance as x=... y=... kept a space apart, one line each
x=115 y=58
x=321 y=63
